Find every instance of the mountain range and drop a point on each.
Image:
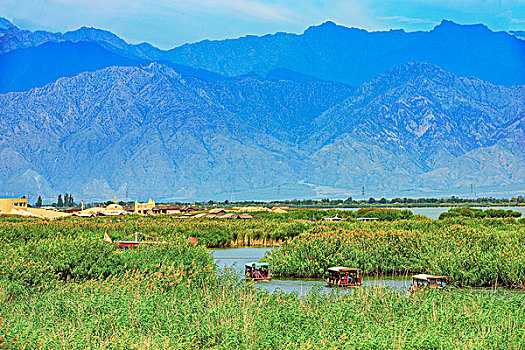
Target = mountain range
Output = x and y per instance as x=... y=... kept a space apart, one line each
x=328 y=51
x=87 y=113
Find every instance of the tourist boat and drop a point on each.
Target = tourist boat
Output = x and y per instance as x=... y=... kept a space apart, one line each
x=429 y=281
x=257 y=271
x=129 y=245
x=340 y=276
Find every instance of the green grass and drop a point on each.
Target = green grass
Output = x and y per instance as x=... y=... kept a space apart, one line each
x=135 y=313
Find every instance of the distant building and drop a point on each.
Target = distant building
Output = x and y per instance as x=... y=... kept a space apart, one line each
x=167 y=209
x=8 y=204
x=144 y=208
x=72 y=210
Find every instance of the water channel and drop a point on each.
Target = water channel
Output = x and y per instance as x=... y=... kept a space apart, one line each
x=235 y=258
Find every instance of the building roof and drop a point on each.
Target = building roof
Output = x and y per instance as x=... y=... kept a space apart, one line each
x=424 y=276
x=343 y=269
x=166 y=207
x=47 y=214
x=257 y=264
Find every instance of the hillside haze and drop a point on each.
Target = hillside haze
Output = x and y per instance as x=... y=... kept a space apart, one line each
x=153 y=131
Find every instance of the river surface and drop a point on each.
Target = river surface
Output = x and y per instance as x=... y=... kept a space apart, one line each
x=434 y=212
x=235 y=258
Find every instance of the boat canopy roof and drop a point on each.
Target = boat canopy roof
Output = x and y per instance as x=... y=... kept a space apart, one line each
x=258 y=264
x=425 y=277
x=343 y=269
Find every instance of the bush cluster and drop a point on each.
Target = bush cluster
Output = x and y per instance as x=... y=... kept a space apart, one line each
x=479 y=213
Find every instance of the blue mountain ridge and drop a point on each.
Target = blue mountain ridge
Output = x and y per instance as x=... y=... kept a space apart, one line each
x=327 y=51
x=24 y=69
x=247 y=115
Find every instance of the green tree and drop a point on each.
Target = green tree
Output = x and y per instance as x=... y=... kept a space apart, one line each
x=38 y=203
x=60 y=201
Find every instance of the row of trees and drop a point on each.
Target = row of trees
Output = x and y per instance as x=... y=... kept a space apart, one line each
x=372 y=200
x=62 y=201
x=68 y=201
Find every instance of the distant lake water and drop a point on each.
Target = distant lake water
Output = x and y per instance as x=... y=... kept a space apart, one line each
x=434 y=212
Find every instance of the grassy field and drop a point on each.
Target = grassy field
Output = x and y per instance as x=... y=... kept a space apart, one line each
x=143 y=311
x=62 y=287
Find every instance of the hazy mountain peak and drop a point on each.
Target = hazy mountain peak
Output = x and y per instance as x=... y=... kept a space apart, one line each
x=6 y=24
x=411 y=72
x=451 y=26
x=328 y=24
x=90 y=33
x=332 y=28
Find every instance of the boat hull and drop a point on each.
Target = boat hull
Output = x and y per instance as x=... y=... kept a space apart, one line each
x=343 y=285
x=267 y=279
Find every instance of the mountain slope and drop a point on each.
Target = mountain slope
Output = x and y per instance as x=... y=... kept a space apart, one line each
x=417 y=120
x=151 y=131
x=354 y=56
x=12 y=38
x=23 y=69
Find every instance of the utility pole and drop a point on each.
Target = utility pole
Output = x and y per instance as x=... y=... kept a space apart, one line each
x=363 y=191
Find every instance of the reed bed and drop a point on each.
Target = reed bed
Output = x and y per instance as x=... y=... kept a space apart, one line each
x=210 y=232
x=160 y=311
x=475 y=252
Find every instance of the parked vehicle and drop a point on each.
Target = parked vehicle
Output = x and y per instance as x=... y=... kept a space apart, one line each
x=340 y=276
x=429 y=281
x=258 y=271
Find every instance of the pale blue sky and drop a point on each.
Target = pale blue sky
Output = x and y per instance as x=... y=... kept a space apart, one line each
x=169 y=23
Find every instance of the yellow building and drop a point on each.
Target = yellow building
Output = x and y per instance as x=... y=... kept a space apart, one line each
x=8 y=204
x=144 y=208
